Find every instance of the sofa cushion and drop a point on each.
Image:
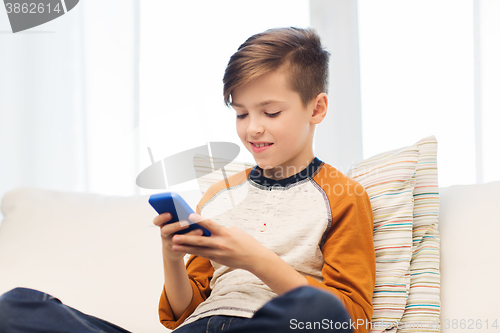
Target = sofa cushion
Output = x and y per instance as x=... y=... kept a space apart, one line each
x=469 y=224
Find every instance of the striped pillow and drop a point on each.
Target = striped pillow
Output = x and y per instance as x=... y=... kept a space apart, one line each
x=406 y=301
x=389 y=180
x=423 y=304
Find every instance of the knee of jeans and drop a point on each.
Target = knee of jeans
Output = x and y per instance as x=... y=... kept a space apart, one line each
x=8 y=297
x=6 y=308
x=323 y=301
x=20 y=293
x=17 y=296
x=11 y=304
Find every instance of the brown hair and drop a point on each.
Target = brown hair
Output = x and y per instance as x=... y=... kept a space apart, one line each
x=296 y=50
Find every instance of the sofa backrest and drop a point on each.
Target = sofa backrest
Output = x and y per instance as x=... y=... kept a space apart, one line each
x=469 y=225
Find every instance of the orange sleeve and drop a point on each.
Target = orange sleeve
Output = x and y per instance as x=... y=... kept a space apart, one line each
x=200 y=272
x=349 y=267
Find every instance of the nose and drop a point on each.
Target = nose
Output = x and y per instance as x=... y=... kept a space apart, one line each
x=255 y=126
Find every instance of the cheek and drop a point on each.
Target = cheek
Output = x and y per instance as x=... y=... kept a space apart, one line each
x=293 y=132
x=287 y=130
x=240 y=130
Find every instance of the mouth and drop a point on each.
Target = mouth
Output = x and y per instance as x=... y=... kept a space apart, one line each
x=261 y=144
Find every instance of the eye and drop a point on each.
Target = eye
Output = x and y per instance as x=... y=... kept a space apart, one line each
x=272 y=115
x=241 y=116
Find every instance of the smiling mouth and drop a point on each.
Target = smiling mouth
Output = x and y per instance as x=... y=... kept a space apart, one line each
x=261 y=145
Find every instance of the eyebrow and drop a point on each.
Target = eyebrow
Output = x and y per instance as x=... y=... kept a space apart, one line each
x=269 y=101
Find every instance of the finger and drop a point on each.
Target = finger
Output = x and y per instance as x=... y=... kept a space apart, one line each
x=193 y=240
x=193 y=218
x=161 y=219
x=171 y=228
x=195 y=232
x=195 y=250
x=185 y=223
x=204 y=222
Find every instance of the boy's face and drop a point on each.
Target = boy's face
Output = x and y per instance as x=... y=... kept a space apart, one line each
x=268 y=111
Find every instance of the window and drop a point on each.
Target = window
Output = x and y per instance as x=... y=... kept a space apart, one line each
x=418 y=78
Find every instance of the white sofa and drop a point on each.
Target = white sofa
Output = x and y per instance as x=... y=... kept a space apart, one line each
x=102 y=254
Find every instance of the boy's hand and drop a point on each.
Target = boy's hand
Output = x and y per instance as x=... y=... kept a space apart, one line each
x=167 y=232
x=231 y=247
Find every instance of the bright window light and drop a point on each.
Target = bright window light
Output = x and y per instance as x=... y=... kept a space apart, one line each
x=417 y=79
x=490 y=87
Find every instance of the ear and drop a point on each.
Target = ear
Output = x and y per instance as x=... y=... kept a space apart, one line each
x=319 y=108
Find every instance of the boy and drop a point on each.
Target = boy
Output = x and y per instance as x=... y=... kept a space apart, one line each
x=302 y=223
x=296 y=253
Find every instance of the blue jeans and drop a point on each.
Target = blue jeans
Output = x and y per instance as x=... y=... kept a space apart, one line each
x=213 y=324
x=306 y=308
x=27 y=310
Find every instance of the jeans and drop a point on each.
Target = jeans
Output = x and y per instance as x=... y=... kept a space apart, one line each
x=306 y=308
x=27 y=310
x=213 y=324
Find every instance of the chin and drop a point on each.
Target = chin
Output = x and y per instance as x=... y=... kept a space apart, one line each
x=264 y=166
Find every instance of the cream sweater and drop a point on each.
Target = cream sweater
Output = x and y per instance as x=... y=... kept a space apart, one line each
x=318 y=221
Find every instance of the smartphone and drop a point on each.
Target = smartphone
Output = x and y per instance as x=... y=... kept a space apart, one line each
x=174 y=204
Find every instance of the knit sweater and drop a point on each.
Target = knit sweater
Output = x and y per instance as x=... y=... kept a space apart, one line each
x=318 y=221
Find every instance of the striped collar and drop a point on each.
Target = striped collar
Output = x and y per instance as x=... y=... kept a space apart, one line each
x=256 y=175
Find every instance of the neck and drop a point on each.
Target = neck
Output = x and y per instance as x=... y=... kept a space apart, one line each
x=288 y=170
